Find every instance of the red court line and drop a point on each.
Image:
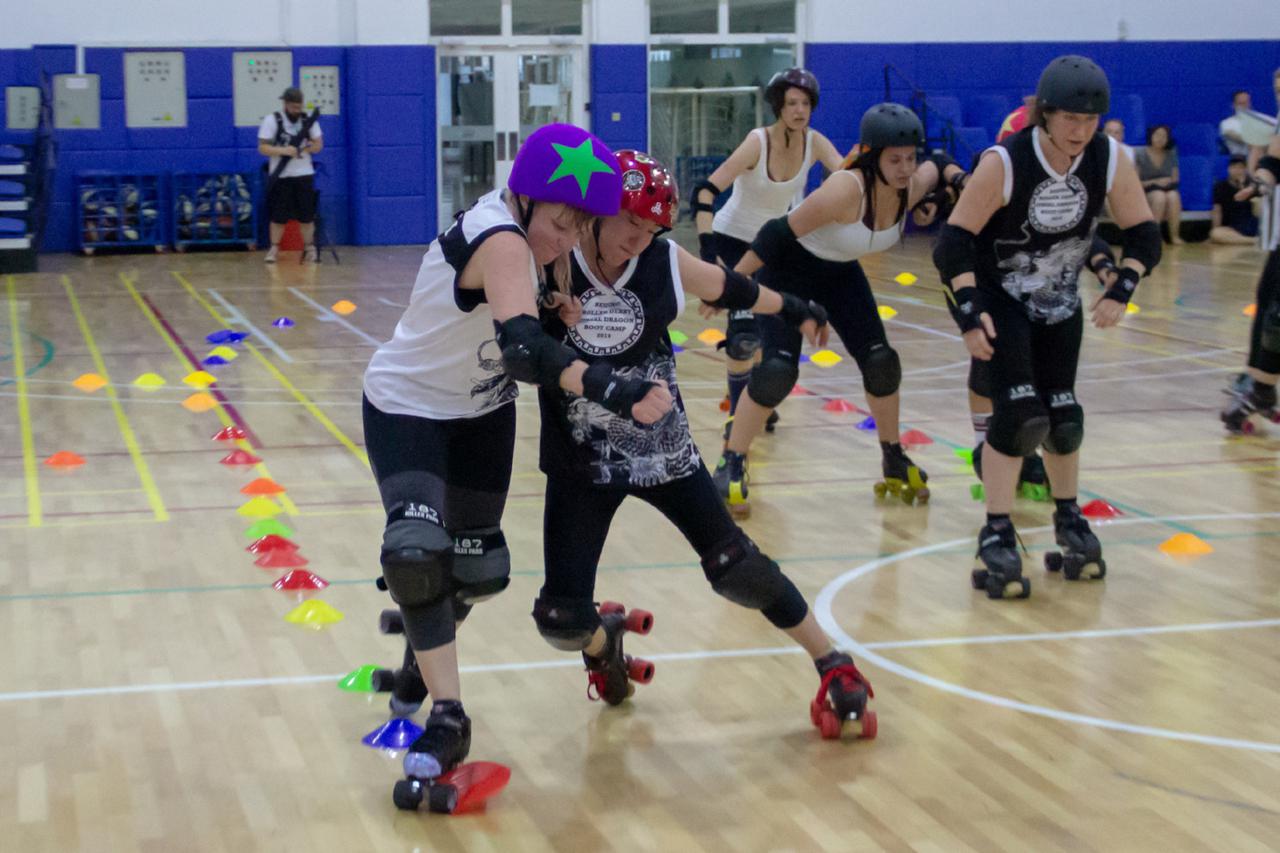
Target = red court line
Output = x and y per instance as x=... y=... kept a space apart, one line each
x=250 y=435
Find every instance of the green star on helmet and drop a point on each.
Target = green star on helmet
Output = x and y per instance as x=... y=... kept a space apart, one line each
x=580 y=162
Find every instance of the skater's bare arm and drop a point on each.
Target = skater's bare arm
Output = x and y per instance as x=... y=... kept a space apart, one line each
x=744 y=157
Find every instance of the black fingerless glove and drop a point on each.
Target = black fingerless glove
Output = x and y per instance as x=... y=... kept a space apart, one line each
x=796 y=310
x=1122 y=290
x=966 y=306
x=707 y=247
x=600 y=384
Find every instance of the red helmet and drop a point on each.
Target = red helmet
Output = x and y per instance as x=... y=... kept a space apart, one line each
x=648 y=188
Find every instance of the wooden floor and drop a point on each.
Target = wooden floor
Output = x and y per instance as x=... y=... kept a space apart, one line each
x=153 y=697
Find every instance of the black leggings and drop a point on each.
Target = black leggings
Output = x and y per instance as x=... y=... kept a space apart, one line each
x=460 y=469
x=1267 y=301
x=577 y=517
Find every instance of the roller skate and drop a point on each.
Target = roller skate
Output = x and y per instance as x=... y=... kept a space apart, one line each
x=772 y=422
x=902 y=478
x=1081 y=555
x=434 y=770
x=405 y=684
x=443 y=744
x=610 y=675
x=1255 y=398
x=1033 y=480
x=997 y=563
x=842 y=697
x=731 y=481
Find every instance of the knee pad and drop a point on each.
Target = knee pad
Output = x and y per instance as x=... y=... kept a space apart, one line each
x=743 y=337
x=1066 y=423
x=980 y=377
x=1020 y=422
x=481 y=565
x=772 y=380
x=417 y=562
x=738 y=571
x=881 y=371
x=566 y=623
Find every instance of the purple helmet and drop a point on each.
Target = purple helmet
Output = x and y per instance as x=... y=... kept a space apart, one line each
x=564 y=164
x=775 y=94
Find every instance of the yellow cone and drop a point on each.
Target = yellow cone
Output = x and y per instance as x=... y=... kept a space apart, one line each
x=905 y=279
x=226 y=353
x=1251 y=309
x=1132 y=308
x=343 y=306
x=1185 y=545
x=259 y=507
x=825 y=358
x=201 y=401
x=89 y=382
x=887 y=313
x=314 y=614
x=200 y=379
x=149 y=381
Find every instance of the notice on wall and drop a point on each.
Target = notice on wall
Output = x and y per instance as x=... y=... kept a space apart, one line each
x=319 y=85
x=76 y=102
x=259 y=78
x=22 y=107
x=155 y=89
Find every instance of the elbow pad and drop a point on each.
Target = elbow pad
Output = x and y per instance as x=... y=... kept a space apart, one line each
x=696 y=204
x=773 y=241
x=1142 y=243
x=955 y=253
x=740 y=293
x=529 y=354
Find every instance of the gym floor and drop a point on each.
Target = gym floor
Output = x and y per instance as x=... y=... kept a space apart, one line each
x=153 y=696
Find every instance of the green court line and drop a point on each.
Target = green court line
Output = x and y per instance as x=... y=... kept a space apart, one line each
x=369 y=581
x=1133 y=510
x=49 y=350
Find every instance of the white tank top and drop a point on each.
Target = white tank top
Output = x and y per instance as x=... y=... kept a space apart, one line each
x=757 y=198
x=841 y=241
x=443 y=361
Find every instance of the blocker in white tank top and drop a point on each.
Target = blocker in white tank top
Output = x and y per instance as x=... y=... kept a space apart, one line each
x=444 y=362
x=848 y=241
x=757 y=198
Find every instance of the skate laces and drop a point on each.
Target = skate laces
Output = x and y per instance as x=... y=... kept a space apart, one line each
x=849 y=678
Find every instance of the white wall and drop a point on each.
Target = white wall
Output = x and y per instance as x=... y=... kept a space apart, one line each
x=343 y=22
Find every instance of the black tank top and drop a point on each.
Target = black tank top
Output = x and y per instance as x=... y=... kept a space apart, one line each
x=1034 y=247
x=624 y=324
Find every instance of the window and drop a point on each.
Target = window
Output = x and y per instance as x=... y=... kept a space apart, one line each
x=683 y=16
x=762 y=16
x=546 y=17
x=466 y=17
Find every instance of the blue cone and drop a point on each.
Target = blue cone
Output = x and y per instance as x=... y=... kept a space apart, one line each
x=220 y=337
x=397 y=733
x=804 y=356
x=236 y=337
x=676 y=349
x=214 y=361
x=868 y=423
x=282 y=323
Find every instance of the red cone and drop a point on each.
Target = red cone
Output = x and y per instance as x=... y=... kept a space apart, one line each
x=1099 y=509
x=240 y=457
x=231 y=433
x=916 y=438
x=271 y=542
x=838 y=405
x=300 y=579
x=799 y=391
x=280 y=560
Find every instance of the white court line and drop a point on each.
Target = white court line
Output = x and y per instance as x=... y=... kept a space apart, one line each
x=926 y=329
x=234 y=315
x=822 y=609
x=342 y=321
x=386 y=301
x=563 y=663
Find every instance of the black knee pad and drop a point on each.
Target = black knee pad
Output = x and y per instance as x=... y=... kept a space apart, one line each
x=1066 y=423
x=739 y=571
x=881 y=371
x=772 y=379
x=743 y=336
x=566 y=623
x=417 y=562
x=980 y=377
x=481 y=565
x=1019 y=423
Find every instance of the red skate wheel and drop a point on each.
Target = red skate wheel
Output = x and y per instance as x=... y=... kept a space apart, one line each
x=724 y=404
x=829 y=725
x=639 y=621
x=639 y=670
x=815 y=711
x=609 y=607
x=868 y=721
x=1247 y=428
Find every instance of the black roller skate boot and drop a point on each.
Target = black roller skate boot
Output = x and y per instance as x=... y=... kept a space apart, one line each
x=1255 y=398
x=772 y=422
x=997 y=564
x=1033 y=480
x=405 y=685
x=902 y=478
x=610 y=675
x=731 y=481
x=842 y=697
x=1081 y=555
x=443 y=744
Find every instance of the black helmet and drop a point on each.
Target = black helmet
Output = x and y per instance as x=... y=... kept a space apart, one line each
x=1075 y=84
x=890 y=125
x=775 y=94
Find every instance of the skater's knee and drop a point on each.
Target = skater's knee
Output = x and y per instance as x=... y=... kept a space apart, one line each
x=881 y=371
x=772 y=379
x=1066 y=423
x=417 y=562
x=1020 y=422
x=566 y=624
x=481 y=565
x=743 y=338
x=739 y=571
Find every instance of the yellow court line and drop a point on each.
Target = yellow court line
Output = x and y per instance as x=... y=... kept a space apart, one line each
x=261 y=468
x=30 y=472
x=122 y=420
x=280 y=377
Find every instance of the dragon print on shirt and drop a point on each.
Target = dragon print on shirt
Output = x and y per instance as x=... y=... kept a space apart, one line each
x=495 y=387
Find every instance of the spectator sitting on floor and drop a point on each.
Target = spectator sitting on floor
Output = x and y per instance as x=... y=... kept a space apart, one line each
x=1234 y=222
x=1158 y=170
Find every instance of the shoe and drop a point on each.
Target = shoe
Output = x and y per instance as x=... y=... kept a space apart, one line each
x=310 y=255
x=272 y=254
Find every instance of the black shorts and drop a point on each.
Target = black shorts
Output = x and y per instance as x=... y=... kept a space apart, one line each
x=460 y=468
x=1266 y=301
x=293 y=198
x=1026 y=353
x=730 y=249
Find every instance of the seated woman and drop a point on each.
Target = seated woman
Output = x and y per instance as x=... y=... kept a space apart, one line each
x=1158 y=170
x=1234 y=222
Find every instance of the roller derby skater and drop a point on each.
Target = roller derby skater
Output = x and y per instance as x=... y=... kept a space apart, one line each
x=1256 y=393
x=439 y=405
x=756 y=170
x=1011 y=256
x=813 y=252
x=627 y=285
